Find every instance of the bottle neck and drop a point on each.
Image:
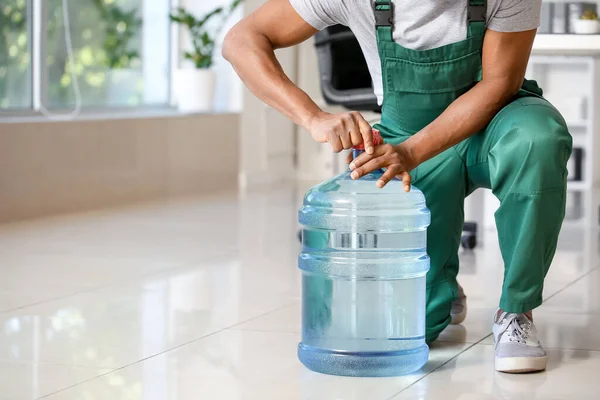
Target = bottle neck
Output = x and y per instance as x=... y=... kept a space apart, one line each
x=356 y=153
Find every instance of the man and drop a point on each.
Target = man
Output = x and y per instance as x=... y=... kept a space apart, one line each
x=457 y=116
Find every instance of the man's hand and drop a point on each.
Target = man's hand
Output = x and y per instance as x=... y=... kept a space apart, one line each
x=341 y=131
x=395 y=159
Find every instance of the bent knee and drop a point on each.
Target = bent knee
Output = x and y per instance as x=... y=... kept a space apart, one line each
x=534 y=144
x=534 y=125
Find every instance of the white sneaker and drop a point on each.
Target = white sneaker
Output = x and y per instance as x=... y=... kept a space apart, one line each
x=458 y=312
x=518 y=349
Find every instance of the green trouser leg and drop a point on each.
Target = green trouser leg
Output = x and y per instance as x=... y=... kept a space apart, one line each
x=442 y=180
x=522 y=157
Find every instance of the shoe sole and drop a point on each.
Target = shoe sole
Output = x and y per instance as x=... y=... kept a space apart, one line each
x=458 y=319
x=521 y=365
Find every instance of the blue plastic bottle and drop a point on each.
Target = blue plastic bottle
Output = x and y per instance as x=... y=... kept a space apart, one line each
x=363 y=265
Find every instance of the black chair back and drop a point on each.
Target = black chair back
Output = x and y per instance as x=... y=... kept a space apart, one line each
x=345 y=78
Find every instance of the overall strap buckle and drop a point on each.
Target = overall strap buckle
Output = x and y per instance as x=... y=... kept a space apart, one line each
x=476 y=12
x=383 y=17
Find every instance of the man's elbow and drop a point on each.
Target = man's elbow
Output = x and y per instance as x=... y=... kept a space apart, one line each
x=230 y=45
x=235 y=41
x=513 y=87
x=503 y=90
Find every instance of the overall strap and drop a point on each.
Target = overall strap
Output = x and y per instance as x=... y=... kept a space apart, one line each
x=384 y=19
x=476 y=16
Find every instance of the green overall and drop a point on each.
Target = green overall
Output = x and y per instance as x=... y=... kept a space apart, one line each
x=521 y=156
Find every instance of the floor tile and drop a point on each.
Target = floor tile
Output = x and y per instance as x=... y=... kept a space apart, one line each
x=582 y=297
x=117 y=325
x=475 y=327
x=248 y=365
x=15 y=299
x=29 y=381
x=571 y=374
x=102 y=246
x=287 y=319
x=48 y=277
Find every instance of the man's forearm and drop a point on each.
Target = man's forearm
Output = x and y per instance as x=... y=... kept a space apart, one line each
x=466 y=116
x=250 y=46
x=254 y=60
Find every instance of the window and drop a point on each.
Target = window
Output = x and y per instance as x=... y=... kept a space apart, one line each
x=120 y=53
x=112 y=40
x=15 y=59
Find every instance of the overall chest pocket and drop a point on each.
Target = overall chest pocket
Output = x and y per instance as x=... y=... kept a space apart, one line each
x=454 y=75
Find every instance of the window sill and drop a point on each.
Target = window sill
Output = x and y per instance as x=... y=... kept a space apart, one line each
x=105 y=114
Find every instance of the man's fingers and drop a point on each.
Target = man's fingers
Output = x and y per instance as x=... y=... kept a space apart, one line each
x=366 y=132
x=321 y=138
x=364 y=157
x=346 y=139
x=390 y=173
x=368 y=167
x=387 y=176
x=354 y=130
x=350 y=157
x=406 y=180
x=336 y=143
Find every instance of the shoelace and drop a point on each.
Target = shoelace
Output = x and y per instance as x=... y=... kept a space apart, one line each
x=518 y=329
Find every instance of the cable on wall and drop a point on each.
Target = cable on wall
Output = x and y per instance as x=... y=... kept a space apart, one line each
x=69 y=44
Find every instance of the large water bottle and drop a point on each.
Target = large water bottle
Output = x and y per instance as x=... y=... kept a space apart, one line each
x=363 y=266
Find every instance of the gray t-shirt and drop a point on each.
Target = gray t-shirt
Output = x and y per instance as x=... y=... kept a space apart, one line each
x=419 y=25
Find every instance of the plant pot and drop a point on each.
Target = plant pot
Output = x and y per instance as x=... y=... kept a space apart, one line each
x=122 y=87
x=195 y=89
x=586 y=26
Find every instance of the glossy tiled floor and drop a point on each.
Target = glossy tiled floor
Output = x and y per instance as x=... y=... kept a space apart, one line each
x=200 y=300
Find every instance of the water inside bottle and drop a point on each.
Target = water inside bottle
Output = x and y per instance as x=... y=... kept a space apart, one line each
x=362 y=315
x=363 y=266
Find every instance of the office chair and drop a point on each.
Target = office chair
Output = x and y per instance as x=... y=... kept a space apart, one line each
x=345 y=81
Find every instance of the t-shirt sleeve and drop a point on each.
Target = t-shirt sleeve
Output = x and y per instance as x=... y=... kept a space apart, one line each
x=321 y=13
x=516 y=16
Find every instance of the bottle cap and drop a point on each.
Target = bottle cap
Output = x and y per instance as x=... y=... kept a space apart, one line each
x=377 y=140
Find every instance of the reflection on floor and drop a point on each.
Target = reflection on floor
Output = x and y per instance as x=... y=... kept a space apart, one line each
x=200 y=300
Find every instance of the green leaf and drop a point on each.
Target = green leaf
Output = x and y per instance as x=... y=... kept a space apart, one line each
x=209 y=16
x=121 y=27
x=234 y=5
x=206 y=39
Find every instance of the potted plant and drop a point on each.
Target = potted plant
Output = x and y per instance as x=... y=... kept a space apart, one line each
x=195 y=86
x=587 y=24
x=121 y=56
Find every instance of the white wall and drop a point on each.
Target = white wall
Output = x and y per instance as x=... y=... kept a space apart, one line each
x=267 y=147
x=62 y=167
